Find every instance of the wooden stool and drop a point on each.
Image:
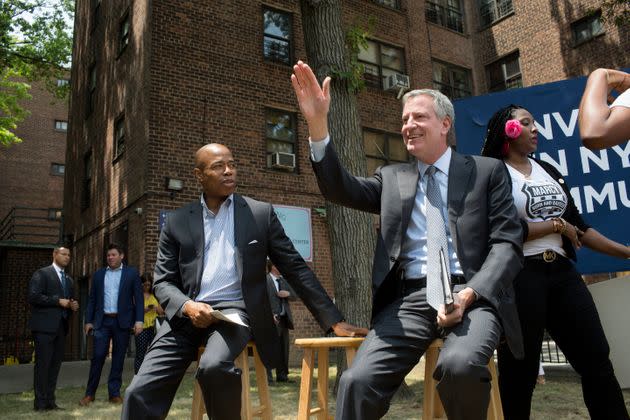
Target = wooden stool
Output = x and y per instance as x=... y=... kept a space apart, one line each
x=432 y=406
x=321 y=346
x=247 y=410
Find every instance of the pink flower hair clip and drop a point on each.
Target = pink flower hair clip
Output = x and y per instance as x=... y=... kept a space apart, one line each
x=513 y=128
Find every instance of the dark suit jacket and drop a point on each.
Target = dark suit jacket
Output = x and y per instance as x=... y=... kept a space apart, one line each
x=257 y=234
x=130 y=299
x=483 y=222
x=276 y=301
x=44 y=292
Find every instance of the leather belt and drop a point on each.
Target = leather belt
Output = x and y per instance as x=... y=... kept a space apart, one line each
x=412 y=285
x=547 y=256
x=112 y=315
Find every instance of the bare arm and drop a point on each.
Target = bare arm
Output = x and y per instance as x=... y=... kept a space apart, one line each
x=598 y=242
x=601 y=126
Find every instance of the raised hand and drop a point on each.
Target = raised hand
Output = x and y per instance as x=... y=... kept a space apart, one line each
x=313 y=99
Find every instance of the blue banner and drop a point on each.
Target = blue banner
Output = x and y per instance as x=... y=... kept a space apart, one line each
x=599 y=180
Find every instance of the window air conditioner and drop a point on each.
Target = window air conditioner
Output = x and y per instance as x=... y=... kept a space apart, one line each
x=397 y=81
x=283 y=160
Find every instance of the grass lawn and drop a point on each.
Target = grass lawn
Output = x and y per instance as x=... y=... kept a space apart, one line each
x=559 y=398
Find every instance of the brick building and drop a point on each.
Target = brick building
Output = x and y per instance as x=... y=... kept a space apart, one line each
x=154 y=81
x=31 y=199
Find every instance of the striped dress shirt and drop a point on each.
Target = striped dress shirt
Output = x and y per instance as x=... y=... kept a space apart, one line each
x=220 y=281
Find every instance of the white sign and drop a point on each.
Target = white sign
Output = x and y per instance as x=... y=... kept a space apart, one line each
x=296 y=222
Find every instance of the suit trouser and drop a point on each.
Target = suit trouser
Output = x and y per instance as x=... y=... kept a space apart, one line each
x=554 y=296
x=109 y=330
x=49 y=348
x=151 y=392
x=282 y=371
x=400 y=334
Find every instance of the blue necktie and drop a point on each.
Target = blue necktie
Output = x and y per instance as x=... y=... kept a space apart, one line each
x=436 y=240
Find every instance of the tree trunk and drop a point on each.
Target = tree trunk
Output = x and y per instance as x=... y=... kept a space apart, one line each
x=352 y=234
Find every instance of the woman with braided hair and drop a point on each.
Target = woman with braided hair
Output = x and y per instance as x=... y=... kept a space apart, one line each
x=549 y=292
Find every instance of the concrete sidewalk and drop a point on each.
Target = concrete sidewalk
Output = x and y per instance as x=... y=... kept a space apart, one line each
x=19 y=378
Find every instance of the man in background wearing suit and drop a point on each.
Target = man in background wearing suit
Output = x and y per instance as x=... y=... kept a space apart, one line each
x=51 y=295
x=443 y=200
x=115 y=306
x=279 y=294
x=211 y=256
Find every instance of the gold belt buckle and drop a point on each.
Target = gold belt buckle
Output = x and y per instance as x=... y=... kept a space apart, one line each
x=549 y=255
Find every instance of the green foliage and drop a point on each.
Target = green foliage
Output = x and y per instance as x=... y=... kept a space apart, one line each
x=356 y=40
x=35 y=45
x=11 y=92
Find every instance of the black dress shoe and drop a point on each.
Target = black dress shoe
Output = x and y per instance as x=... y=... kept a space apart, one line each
x=54 y=406
x=286 y=380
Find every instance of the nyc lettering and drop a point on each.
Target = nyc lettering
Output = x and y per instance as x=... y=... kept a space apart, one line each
x=613 y=193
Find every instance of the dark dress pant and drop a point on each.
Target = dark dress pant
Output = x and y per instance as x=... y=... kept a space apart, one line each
x=400 y=334
x=49 y=348
x=553 y=296
x=109 y=330
x=151 y=392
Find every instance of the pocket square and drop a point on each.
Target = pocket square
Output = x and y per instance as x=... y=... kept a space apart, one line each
x=253 y=242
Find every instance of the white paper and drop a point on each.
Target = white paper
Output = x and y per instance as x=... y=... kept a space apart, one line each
x=233 y=317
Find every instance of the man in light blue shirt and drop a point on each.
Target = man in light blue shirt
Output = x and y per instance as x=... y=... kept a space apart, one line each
x=115 y=306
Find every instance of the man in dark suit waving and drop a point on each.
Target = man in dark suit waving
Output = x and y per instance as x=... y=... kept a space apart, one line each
x=211 y=256
x=443 y=200
x=51 y=295
x=115 y=306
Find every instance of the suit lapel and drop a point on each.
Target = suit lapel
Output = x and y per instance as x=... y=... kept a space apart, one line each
x=459 y=176
x=243 y=224
x=407 y=185
x=52 y=272
x=196 y=231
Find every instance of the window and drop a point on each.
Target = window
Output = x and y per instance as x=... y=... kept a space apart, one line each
x=383 y=148
x=277 y=36
x=123 y=33
x=505 y=73
x=91 y=83
x=447 y=13
x=492 y=10
x=587 y=28
x=57 y=169
x=394 y=4
x=86 y=188
x=54 y=214
x=62 y=82
x=380 y=61
x=61 y=125
x=280 y=135
x=119 y=136
x=455 y=82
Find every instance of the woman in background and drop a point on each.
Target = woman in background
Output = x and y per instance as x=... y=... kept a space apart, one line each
x=549 y=293
x=151 y=311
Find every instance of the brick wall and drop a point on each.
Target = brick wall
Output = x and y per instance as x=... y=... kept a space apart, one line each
x=17 y=265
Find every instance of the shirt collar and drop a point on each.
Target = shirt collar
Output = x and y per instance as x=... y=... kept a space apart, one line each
x=115 y=269
x=57 y=268
x=442 y=164
x=227 y=203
